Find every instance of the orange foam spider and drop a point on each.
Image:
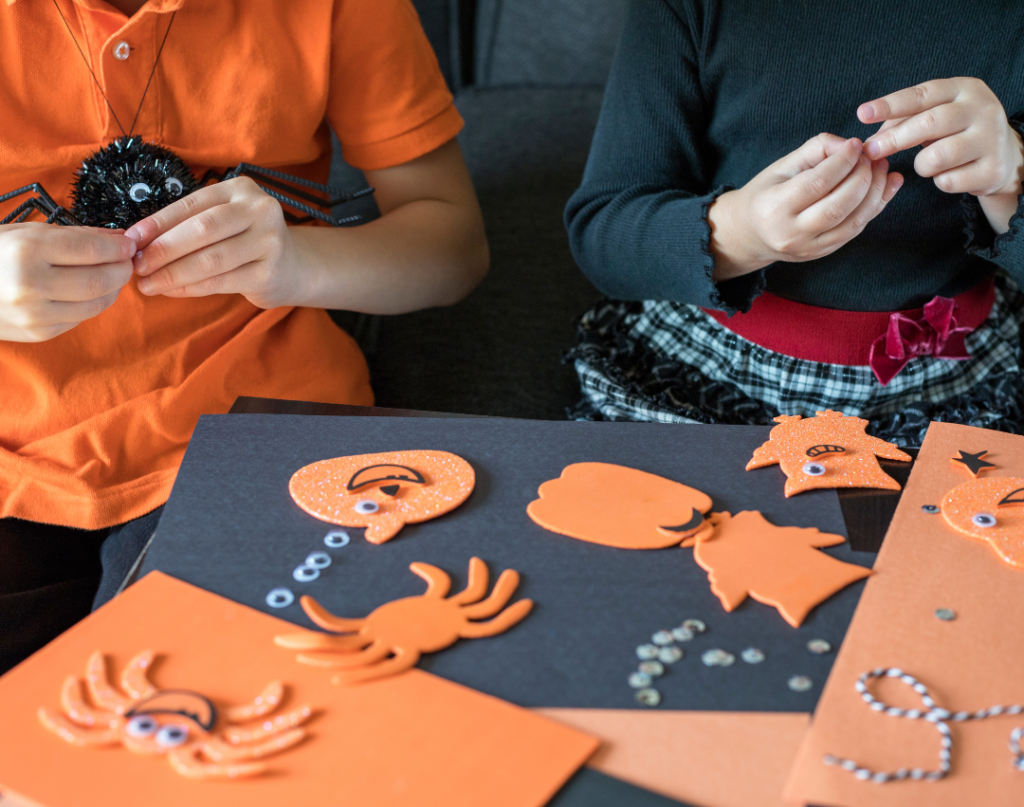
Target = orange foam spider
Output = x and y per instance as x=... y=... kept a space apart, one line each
x=177 y=723
x=392 y=638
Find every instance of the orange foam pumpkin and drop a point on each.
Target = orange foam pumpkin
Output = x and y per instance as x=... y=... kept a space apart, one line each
x=830 y=450
x=990 y=509
x=383 y=492
x=618 y=506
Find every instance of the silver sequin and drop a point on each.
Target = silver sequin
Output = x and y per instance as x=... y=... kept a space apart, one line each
x=752 y=655
x=819 y=646
x=718 y=658
x=682 y=634
x=648 y=697
x=646 y=652
x=945 y=614
x=670 y=655
x=800 y=683
x=662 y=637
x=652 y=668
x=639 y=680
x=695 y=625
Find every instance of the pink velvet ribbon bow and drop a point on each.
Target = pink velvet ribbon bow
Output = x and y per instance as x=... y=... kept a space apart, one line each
x=934 y=334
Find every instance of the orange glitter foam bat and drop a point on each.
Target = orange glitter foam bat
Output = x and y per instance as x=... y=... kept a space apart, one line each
x=383 y=492
x=992 y=510
x=830 y=450
x=177 y=723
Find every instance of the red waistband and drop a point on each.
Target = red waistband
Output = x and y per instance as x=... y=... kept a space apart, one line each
x=832 y=336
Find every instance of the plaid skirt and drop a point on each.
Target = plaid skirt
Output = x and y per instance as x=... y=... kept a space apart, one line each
x=673 y=363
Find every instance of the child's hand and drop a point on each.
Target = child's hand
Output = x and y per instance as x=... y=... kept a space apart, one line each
x=969 y=146
x=228 y=238
x=802 y=207
x=52 y=278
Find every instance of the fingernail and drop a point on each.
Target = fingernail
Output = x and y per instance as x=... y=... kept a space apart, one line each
x=872 y=148
x=134 y=233
x=146 y=285
x=897 y=184
x=140 y=263
x=866 y=111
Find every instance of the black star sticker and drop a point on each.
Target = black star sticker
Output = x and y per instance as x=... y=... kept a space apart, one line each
x=974 y=462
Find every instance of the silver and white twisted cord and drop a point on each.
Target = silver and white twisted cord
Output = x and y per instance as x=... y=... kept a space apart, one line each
x=933 y=714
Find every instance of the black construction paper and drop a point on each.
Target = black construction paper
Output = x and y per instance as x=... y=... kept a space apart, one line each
x=231 y=527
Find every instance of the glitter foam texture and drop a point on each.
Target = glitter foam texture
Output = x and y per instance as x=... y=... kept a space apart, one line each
x=321 y=489
x=1002 y=497
x=855 y=467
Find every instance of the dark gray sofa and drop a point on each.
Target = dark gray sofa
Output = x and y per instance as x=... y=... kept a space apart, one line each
x=528 y=77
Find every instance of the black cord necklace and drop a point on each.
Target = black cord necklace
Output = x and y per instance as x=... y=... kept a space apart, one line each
x=128 y=179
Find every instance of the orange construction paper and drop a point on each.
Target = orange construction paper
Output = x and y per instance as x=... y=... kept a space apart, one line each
x=411 y=739
x=830 y=450
x=392 y=638
x=990 y=510
x=710 y=759
x=618 y=506
x=972 y=662
x=383 y=492
x=746 y=555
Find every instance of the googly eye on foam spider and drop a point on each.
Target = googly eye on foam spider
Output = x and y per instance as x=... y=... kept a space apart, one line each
x=336 y=539
x=141 y=726
x=172 y=736
x=983 y=520
x=367 y=506
x=814 y=469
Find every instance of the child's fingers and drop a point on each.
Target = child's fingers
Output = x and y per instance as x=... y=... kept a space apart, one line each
x=910 y=101
x=203 y=267
x=975 y=177
x=149 y=229
x=238 y=281
x=932 y=124
x=77 y=284
x=71 y=313
x=193 y=236
x=947 y=154
x=833 y=209
x=82 y=246
x=871 y=205
x=811 y=154
x=811 y=186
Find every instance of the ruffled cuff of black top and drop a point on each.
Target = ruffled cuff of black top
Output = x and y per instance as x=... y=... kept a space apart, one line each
x=737 y=294
x=981 y=239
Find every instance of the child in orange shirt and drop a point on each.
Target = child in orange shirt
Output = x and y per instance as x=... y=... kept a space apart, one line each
x=113 y=343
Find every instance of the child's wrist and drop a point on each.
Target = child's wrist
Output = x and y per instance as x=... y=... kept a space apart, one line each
x=732 y=247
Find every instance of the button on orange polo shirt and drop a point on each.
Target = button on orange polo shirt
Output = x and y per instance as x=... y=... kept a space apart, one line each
x=94 y=423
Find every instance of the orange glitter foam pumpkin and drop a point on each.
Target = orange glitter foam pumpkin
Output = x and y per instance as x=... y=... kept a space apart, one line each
x=177 y=723
x=383 y=492
x=830 y=450
x=990 y=510
x=623 y=507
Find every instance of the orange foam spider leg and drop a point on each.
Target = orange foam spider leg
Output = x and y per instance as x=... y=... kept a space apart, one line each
x=503 y=591
x=102 y=691
x=75 y=734
x=502 y=622
x=438 y=581
x=267 y=701
x=476 y=587
x=402 y=661
x=375 y=652
x=310 y=640
x=222 y=752
x=185 y=760
x=134 y=678
x=72 y=701
x=323 y=618
x=239 y=734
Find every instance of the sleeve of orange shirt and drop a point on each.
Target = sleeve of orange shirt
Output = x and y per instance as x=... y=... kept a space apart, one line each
x=388 y=100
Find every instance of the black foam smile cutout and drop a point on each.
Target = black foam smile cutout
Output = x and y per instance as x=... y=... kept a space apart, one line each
x=695 y=521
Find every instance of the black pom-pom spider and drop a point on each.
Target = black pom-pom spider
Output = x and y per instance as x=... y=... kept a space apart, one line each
x=130 y=179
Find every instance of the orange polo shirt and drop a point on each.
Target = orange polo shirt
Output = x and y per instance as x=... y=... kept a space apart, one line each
x=94 y=423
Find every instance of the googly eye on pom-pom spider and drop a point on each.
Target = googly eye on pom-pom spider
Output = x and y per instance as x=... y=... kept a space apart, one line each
x=129 y=179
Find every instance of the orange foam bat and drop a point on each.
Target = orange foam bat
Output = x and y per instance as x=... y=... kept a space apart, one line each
x=747 y=555
x=383 y=492
x=618 y=506
x=394 y=636
x=830 y=450
x=990 y=510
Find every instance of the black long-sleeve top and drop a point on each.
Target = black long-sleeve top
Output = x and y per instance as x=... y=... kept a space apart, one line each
x=704 y=94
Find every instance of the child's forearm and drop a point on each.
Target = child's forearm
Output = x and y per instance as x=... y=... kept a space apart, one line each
x=422 y=254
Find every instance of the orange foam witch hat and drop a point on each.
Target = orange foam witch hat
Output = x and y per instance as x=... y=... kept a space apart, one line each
x=383 y=492
x=829 y=450
x=780 y=566
x=618 y=506
x=990 y=510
